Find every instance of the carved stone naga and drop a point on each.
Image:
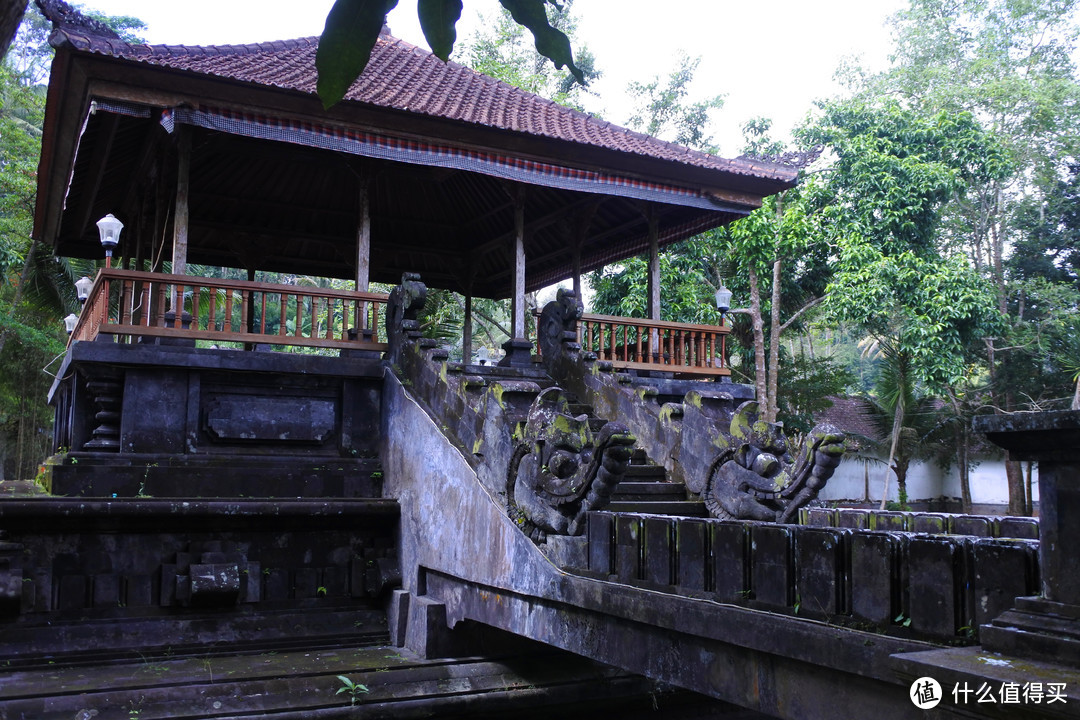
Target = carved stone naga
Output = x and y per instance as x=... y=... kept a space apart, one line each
x=559 y=471
x=759 y=477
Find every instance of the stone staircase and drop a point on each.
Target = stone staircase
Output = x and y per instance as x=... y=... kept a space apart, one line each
x=645 y=488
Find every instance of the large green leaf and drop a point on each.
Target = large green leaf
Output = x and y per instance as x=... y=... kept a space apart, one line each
x=438 y=19
x=352 y=27
x=550 y=42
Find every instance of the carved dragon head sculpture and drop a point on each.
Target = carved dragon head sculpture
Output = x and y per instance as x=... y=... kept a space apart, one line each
x=559 y=471
x=758 y=477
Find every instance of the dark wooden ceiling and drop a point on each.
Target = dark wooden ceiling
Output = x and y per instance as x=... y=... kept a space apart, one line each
x=276 y=206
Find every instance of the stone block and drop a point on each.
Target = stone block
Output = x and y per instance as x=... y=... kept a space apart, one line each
x=1001 y=572
x=167 y=593
x=873 y=580
x=251 y=583
x=357 y=577
x=819 y=559
x=730 y=544
x=628 y=548
x=978 y=525
x=276 y=584
x=601 y=533
x=214 y=584
x=397 y=616
x=305 y=583
x=1018 y=527
x=657 y=562
x=820 y=517
x=852 y=518
x=772 y=567
x=106 y=591
x=139 y=590
x=935 y=604
x=929 y=523
x=72 y=592
x=692 y=553
x=427 y=634
x=888 y=521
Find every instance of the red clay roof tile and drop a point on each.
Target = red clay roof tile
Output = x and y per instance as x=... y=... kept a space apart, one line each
x=402 y=76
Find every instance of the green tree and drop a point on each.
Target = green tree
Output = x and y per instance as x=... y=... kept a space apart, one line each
x=894 y=173
x=662 y=108
x=353 y=26
x=1009 y=64
x=500 y=49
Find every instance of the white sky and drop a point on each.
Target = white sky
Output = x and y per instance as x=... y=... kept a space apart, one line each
x=771 y=58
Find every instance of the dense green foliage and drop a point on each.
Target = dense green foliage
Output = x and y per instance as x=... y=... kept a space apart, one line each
x=353 y=26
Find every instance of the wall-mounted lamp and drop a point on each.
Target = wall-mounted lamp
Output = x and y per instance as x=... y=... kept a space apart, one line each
x=70 y=322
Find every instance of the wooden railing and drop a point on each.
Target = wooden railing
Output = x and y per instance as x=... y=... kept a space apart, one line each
x=637 y=344
x=131 y=304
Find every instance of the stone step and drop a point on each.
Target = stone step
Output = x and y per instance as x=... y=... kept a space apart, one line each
x=305 y=683
x=47 y=641
x=679 y=508
x=647 y=473
x=631 y=490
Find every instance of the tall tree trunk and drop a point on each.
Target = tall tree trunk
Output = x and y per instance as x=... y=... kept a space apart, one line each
x=760 y=386
x=774 y=317
x=898 y=423
x=774 y=344
x=963 y=467
x=1030 y=506
x=1015 y=474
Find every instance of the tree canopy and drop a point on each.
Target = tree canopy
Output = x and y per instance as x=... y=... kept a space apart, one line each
x=353 y=26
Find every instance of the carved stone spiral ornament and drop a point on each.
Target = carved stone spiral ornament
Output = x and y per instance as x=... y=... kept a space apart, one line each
x=558 y=471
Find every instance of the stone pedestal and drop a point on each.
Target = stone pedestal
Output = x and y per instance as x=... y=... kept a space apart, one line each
x=518 y=353
x=1045 y=627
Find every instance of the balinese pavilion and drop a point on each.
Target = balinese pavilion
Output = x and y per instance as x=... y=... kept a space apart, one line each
x=280 y=500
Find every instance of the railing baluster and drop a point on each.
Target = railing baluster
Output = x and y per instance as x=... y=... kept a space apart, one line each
x=211 y=318
x=284 y=313
x=299 y=315
x=226 y=317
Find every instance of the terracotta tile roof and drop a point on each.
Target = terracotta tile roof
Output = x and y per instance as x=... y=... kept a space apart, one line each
x=850 y=415
x=405 y=77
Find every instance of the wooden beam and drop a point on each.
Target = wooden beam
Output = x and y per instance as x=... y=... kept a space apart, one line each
x=534 y=226
x=98 y=163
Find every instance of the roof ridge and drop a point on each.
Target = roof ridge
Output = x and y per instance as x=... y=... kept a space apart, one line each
x=233 y=49
x=407 y=77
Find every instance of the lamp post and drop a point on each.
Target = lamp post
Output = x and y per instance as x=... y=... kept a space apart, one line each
x=109 y=228
x=70 y=322
x=723 y=301
x=83 y=286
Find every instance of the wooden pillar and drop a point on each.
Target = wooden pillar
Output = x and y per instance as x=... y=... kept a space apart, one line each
x=654 y=264
x=467 y=330
x=363 y=251
x=517 y=323
x=581 y=233
x=518 y=348
x=180 y=217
